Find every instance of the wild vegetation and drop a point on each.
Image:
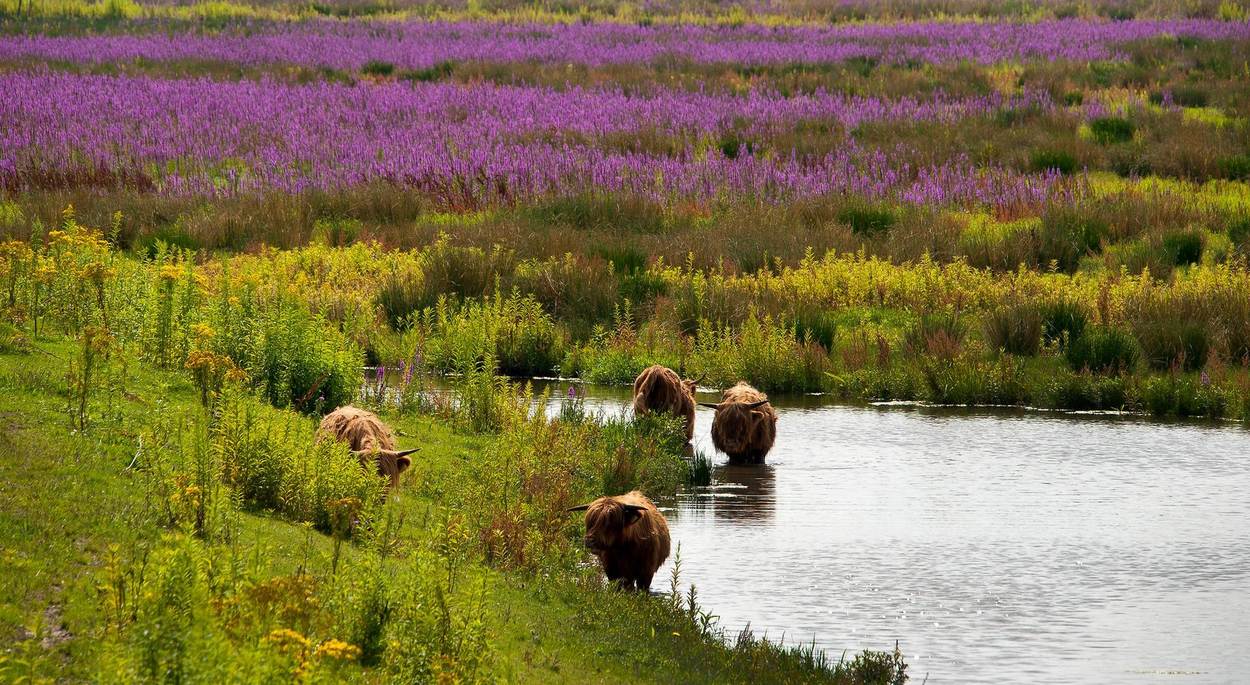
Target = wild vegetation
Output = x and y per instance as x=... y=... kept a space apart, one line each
x=236 y=545
x=213 y=216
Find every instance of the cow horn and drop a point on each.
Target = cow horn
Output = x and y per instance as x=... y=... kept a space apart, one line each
x=580 y=507
x=700 y=379
x=709 y=405
x=404 y=453
x=754 y=405
x=635 y=507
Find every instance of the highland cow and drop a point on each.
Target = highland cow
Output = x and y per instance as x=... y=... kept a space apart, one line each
x=745 y=425
x=629 y=536
x=369 y=439
x=660 y=389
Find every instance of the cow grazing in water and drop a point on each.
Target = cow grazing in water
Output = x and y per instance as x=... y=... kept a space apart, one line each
x=629 y=536
x=660 y=389
x=370 y=440
x=745 y=425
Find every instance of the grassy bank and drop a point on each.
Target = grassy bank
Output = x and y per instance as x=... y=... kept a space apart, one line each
x=163 y=521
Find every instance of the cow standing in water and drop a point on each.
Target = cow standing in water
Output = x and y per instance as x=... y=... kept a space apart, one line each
x=660 y=389
x=745 y=426
x=629 y=536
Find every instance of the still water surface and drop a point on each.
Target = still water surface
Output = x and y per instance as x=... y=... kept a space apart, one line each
x=992 y=546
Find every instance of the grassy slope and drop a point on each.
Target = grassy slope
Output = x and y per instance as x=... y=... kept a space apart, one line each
x=65 y=498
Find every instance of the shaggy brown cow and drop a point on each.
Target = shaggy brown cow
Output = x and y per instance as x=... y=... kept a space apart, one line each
x=629 y=536
x=660 y=389
x=745 y=426
x=369 y=438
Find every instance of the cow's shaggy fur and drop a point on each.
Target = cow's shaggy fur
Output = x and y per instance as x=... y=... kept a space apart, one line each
x=660 y=389
x=745 y=425
x=629 y=536
x=369 y=439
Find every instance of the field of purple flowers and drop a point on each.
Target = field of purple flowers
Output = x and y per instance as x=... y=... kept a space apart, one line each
x=539 y=150
x=464 y=115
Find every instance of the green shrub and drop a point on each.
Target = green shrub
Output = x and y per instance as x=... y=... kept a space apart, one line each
x=1184 y=396
x=436 y=72
x=1169 y=342
x=1058 y=160
x=1111 y=130
x=816 y=325
x=625 y=259
x=302 y=362
x=1184 y=96
x=1074 y=98
x=401 y=295
x=700 y=469
x=335 y=231
x=763 y=352
x=1063 y=321
x=1066 y=236
x=1239 y=230
x=1183 y=248
x=1236 y=168
x=1103 y=349
x=1190 y=96
x=273 y=461
x=1082 y=391
x=939 y=334
x=732 y=145
x=1015 y=329
x=377 y=68
x=867 y=219
x=601 y=211
x=165 y=240
x=512 y=335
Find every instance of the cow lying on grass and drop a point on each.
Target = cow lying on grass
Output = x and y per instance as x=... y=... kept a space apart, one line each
x=629 y=536
x=369 y=439
x=660 y=389
x=745 y=426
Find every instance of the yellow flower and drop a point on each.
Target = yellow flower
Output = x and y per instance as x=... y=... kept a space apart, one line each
x=286 y=639
x=170 y=273
x=45 y=270
x=337 y=649
x=203 y=331
x=95 y=271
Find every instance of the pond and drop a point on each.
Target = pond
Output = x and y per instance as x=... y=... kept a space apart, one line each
x=992 y=546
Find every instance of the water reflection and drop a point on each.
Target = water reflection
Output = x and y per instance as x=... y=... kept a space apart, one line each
x=738 y=494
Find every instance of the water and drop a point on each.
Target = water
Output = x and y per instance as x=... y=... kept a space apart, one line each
x=994 y=547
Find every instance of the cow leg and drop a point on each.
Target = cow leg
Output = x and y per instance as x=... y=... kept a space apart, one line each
x=644 y=584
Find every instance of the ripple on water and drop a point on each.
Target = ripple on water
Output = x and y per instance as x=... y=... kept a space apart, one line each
x=994 y=547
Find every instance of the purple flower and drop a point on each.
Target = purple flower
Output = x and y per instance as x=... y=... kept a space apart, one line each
x=169 y=136
x=1206 y=379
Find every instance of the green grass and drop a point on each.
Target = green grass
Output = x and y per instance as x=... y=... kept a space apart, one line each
x=73 y=515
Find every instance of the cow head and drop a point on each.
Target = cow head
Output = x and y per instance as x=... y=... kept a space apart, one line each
x=390 y=463
x=607 y=522
x=738 y=424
